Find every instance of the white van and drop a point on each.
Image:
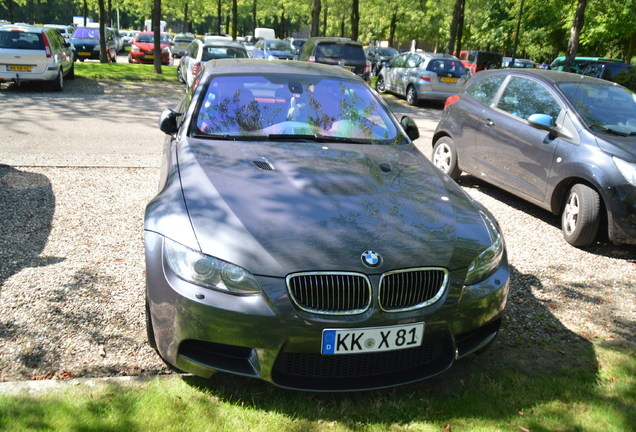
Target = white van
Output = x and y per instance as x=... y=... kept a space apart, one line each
x=264 y=33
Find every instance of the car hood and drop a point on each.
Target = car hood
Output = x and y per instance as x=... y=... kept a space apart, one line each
x=277 y=208
x=84 y=42
x=621 y=147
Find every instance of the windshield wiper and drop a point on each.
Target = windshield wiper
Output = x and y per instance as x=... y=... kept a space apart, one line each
x=228 y=137
x=316 y=138
x=612 y=130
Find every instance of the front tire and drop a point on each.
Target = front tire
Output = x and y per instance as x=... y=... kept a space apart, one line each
x=581 y=217
x=445 y=157
x=71 y=73
x=380 y=85
x=411 y=95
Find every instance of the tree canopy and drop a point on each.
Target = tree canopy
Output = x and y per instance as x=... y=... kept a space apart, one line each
x=609 y=25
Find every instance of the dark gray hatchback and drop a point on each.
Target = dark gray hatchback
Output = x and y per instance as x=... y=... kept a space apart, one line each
x=343 y=52
x=562 y=141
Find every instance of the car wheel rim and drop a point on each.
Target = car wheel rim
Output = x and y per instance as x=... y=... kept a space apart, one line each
x=410 y=95
x=442 y=157
x=380 y=84
x=571 y=214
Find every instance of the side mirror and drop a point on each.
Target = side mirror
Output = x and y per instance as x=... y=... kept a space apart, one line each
x=168 y=121
x=410 y=128
x=541 y=121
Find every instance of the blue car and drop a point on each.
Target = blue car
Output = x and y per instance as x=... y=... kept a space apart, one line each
x=274 y=50
x=562 y=141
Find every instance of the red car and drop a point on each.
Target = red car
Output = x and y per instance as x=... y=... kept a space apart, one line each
x=142 y=49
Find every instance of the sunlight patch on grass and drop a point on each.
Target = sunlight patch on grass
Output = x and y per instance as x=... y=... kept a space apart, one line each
x=124 y=72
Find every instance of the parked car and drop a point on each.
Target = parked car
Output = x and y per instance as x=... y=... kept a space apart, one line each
x=518 y=63
x=342 y=52
x=119 y=40
x=199 y=52
x=421 y=75
x=181 y=43
x=142 y=49
x=475 y=60
x=273 y=50
x=599 y=67
x=127 y=36
x=34 y=53
x=86 y=42
x=562 y=141
x=379 y=56
x=299 y=237
x=297 y=43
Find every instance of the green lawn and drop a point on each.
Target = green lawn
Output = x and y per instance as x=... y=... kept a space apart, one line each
x=475 y=395
x=124 y=72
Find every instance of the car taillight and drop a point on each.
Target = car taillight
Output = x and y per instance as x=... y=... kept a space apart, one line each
x=196 y=68
x=427 y=79
x=47 y=47
x=312 y=59
x=451 y=100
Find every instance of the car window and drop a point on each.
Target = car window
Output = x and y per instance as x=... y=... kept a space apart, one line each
x=281 y=104
x=340 y=51
x=21 y=40
x=413 y=61
x=523 y=97
x=212 y=53
x=445 y=66
x=485 y=90
x=399 y=61
x=279 y=46
x=601 y=104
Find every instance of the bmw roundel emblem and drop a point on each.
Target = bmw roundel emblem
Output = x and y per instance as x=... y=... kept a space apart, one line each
x=371 y=259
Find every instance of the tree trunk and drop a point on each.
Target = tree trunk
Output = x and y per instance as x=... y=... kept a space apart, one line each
x=392 y=28
x=575 y=33
x=110 y=13
x=453 y=27
x=85 y=9
x=234 y=19
x=10 y=7
x=324 y=20
x=103 y=57
x=315 y=17
x=184 y=25
x=630 y=48
x=254 y=18
x=156 y=26
x=355 y=19
x=282 y=22
x=460 y=27
x=218 y=17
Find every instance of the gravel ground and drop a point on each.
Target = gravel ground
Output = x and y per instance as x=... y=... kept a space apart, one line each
x=72 y=271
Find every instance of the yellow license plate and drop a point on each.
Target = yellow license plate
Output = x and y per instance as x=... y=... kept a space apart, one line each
x=449 y=80
x=84 y=53
x=150 y=57
x=21 y=68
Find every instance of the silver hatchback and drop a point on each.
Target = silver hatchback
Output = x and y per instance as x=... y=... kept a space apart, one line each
x=34 y=53
x=421 y=75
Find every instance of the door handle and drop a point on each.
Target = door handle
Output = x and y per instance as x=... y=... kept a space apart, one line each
x=490 y=123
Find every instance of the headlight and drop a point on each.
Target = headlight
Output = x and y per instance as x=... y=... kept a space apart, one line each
x=486 y=263
x=135 y=48
x=207 y=271
x=627 y=169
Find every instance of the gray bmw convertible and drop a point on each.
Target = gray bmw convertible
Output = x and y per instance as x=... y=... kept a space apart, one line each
x=298 y=236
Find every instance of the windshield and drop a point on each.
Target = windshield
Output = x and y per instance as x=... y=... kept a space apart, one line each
x=386 y=52
x=309 y=107
x=149 y=38
x=278 y=46
x=603 y=106
x=85 y=32
x=221 y=52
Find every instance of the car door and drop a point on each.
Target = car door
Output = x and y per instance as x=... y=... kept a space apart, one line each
x=196 y=51
x=393 y=74
x=512 y=153
x=411 y=73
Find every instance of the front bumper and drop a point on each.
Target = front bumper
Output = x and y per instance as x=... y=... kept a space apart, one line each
x=147 y=58
x=264 y=336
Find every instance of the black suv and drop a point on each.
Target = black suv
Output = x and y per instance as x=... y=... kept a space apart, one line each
x=342 y=52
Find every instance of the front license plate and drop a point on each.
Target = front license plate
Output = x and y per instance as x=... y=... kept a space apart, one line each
x=449 y=80
x=150 y=57
x=84 y=54
x=21 y=68
x=371 y=339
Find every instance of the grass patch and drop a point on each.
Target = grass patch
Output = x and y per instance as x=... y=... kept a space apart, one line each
x=473 y=396
x=124 y=72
